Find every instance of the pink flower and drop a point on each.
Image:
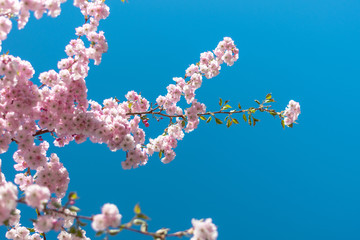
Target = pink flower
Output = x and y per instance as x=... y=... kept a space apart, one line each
x=292 y=112
x=8 y=197
x=54 y=176
x=204 y=230
x=44 y=224
x=191 y=70
x=110 y=217
x=36 y=196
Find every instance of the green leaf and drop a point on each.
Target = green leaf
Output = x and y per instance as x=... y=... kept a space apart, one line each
x=72 y=230
x=228 y=123
x=235 y=121
x=220 y=102
x=137 y=209
x=144 y=227
x=208 y=120
x=283 y=124
x=56 y=204
x=79 y=233
x=162 y=231
x=138 y=222
x=257 y=101
x=268 y=96
x=269 y=100
x=255 y=121
x=114 y=232
x=218 y=121
x=142 y=216
x=99 y=233
x=74 y=209
x=183 y=123
x=226 y=107
x=250 y=122
x=161 y=153
x=273 y=112
x=226 y=102
x=252 y=110
x=31 y=230
x=239 y=106
x=244 y=117
x=73 y=196
x=81 y=223
x=202 y=117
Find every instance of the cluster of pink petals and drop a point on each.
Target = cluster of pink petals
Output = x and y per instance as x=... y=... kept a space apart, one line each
x=68 y=236
x=226 y=51
x=23 y=181
x=209 y=66
x=33 y=157
x=204 y=230
x=5 y=27
x=54 y=176
x=36 y=196
x=21 y=233
x=44 y=223
x=8 y=198
x=192 y=115
x=109 y=217
x=292 y=112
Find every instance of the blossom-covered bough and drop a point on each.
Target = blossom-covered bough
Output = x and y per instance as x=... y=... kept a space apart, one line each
x=59 y=107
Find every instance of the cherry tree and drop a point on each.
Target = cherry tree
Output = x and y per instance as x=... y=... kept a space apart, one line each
x=60 y=108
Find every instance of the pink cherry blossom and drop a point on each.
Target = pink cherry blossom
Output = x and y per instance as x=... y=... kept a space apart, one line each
x=204 y=230
x=110 y=217
x=44 y=223
x=36 y=196
x=292 y=112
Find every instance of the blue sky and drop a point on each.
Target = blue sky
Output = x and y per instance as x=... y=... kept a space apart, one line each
x=255 y=182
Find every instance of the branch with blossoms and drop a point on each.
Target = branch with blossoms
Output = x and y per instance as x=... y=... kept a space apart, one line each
x=60 y=106
x=106 y=224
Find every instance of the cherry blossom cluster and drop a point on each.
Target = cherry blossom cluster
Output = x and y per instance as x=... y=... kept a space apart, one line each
x=209 y=66
x=45 y=223
x=54 y=176
x=37 y=196
x=21 y=233
x=291 y=112
x=51 y=174
x=21 y=9
x=8 y=198
x=109 y=217
x=204 y=230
